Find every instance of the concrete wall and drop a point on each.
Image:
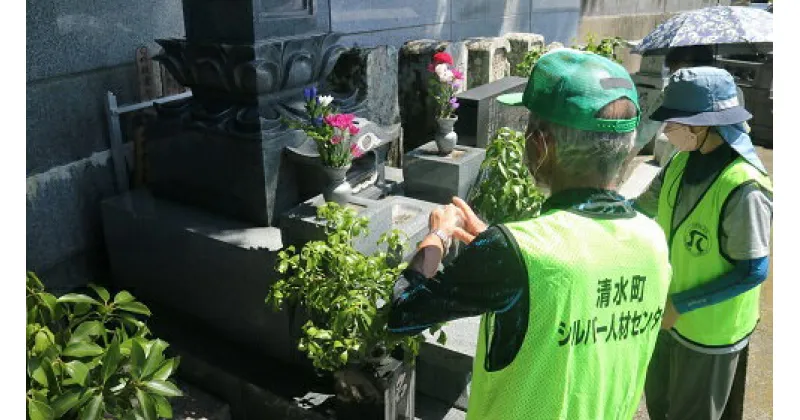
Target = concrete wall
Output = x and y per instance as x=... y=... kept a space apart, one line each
x=393 y=22
x=76 y=51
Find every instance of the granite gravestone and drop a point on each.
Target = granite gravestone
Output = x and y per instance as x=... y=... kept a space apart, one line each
x=480 y=115
x=202 y=243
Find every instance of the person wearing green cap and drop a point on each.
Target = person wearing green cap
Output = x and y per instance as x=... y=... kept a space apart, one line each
x=714 y=202
x=572 y=300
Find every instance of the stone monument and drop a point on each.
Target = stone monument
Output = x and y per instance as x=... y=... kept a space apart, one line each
x=199 y=243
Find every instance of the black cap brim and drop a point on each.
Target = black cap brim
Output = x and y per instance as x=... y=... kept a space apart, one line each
x=728 y=116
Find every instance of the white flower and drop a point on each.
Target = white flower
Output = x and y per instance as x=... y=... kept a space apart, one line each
x=447 y=76
x=440 y=69
x=325 y=100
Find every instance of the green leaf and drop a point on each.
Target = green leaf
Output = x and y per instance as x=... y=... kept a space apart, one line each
x=137 y=358
x=87 y=329
x=38 y=410
x=77 y=371
x=77 y=298
x=101 y=291
x=154 y=358
x=164 y=388
x=93 y=409
x=65 y=402
x=134 y=307
x=51 y=303
x=83 y=349
x=146 y=404
x=163 y=407
x=165 y=370
x=111 y=360
x=81 y=308
x=41 y=342
x=123 y=297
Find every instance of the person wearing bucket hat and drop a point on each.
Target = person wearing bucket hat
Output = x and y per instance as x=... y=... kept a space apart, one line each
x=570 y=300
x=713 y=200
x=676 y=58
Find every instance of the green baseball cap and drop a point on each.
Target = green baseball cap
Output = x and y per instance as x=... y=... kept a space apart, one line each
x=568 y=87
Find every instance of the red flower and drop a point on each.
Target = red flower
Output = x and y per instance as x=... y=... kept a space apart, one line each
x=353 y=130
x=442 y=58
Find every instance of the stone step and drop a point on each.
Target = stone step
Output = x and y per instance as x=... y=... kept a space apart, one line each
x=432 y=409
x=444 y=372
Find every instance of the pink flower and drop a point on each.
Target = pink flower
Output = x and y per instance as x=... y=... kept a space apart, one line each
x=356 y=151
x=340 y=121
x=353 y=130
x=458 y=74
x=336 y=139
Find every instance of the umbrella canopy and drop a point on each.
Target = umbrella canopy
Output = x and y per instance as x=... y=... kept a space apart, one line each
x=730 y=27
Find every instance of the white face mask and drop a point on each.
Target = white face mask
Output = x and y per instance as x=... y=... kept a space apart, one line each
x=682 y=138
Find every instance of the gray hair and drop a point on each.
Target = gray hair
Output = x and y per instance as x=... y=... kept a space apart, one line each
x=586 y=154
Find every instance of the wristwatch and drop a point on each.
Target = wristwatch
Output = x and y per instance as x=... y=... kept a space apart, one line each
x=446 y=240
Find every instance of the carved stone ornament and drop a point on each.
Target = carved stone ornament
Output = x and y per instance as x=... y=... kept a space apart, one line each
x=247 y=89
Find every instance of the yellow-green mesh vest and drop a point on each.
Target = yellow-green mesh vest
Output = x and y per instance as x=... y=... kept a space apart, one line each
x=696 y=256
x=597 y=292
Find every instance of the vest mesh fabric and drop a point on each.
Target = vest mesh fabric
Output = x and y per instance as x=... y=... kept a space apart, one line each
x=597 y=292
x=697 y=258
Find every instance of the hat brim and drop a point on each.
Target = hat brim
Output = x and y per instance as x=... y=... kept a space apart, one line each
x=510 y=99
x=728 y=116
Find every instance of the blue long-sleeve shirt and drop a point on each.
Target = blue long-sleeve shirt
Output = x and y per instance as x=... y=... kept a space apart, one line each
x=745 y=275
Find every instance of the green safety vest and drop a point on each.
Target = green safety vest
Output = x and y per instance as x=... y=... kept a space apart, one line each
x=696 y=256
x=597 y=293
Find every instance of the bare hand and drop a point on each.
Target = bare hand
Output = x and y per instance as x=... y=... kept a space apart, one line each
x=446 y=219
x=473 y=226
x=670 y=315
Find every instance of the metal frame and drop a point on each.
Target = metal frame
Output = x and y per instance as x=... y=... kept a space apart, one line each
x=113 y=112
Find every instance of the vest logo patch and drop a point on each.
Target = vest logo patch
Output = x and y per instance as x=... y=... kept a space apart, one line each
x=697 y=240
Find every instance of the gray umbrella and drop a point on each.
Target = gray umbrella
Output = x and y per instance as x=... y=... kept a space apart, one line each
x=732 y=28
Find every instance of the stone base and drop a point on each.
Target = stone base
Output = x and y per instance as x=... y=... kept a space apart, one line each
x=445 y=372
x=431 y=177
x=215 y=269
x=410 y=216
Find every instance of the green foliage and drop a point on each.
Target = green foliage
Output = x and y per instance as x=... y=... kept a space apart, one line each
x=343 y=291
x=524 y=68
x=607 y=47
x=89 y=357
x=505 y=190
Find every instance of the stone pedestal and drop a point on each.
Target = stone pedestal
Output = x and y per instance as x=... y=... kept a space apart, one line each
x=408 y=215
x=210 y=267
x=480 y=115
x=431 y=177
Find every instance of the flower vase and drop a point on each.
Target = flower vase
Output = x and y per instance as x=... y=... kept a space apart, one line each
x=446 y=138
x=337 y=189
